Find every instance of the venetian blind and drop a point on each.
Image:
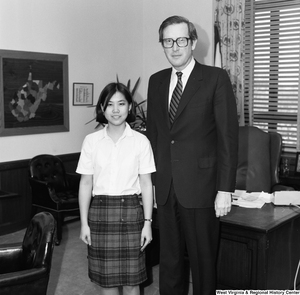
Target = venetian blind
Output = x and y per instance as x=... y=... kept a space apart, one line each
x=271 y=68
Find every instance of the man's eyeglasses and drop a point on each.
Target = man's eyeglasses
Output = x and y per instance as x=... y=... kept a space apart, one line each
x=181 y=42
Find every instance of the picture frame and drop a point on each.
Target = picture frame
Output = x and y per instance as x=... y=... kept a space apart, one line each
x=297 y=164
x=83 y=94
x=34 y=93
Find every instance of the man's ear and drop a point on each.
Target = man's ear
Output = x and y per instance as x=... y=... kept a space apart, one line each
x=194 y=44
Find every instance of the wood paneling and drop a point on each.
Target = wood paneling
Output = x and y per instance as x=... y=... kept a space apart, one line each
x=14 y=179
x=11 y=213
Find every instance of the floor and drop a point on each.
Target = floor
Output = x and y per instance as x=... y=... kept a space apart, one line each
x=69 y=265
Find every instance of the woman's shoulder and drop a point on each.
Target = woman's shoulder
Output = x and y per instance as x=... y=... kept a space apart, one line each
x=139 y=134
x=141 y=137
x=98 y=134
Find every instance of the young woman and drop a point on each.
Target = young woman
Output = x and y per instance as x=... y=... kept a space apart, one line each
x=115 y=164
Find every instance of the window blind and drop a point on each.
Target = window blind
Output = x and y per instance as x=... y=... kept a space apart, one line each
x=271 y=67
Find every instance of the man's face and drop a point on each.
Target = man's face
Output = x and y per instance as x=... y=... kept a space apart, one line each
x=178 y=57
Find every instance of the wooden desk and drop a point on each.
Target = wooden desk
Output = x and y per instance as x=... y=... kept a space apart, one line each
x=259 y=248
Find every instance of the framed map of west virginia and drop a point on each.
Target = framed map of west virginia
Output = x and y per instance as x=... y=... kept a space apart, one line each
x=34 y=96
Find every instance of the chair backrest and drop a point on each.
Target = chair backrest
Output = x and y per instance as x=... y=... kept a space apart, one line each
x=50 y=169
x=259 y=158
x=38 y=241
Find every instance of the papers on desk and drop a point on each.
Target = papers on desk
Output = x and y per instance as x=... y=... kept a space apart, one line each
x=286 y=198
x=250 y=200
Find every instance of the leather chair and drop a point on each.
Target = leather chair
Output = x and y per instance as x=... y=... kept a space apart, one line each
x=53 y=189
x=25 y=269
x=258 y=160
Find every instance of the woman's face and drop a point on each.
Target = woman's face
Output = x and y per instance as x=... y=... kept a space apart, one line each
x=117 y=109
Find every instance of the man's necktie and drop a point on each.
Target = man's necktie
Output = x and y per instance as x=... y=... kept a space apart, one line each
x=175 y=98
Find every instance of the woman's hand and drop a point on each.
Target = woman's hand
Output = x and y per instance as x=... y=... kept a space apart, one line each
x=146 y=236
x=85 y=234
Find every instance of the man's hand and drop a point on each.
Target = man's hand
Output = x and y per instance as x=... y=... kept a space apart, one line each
x=222 y=203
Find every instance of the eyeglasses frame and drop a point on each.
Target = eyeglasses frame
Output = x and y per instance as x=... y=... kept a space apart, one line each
x=162 y=42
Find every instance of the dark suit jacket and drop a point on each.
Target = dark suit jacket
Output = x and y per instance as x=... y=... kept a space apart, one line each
x=199 y=152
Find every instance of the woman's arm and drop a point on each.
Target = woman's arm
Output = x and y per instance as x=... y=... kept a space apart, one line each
x=147 y=198
x=85 y=195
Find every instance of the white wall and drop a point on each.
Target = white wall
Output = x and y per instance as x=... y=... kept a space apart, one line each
x=102 y=38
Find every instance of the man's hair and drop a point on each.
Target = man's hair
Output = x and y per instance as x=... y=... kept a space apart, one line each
x=175 y=19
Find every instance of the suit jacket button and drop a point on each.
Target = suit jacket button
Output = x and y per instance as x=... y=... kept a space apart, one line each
x=173 y=141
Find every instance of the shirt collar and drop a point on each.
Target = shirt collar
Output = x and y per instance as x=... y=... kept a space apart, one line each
x=127 y=131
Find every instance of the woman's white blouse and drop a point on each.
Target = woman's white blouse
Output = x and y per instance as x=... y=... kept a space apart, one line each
x=116 y=166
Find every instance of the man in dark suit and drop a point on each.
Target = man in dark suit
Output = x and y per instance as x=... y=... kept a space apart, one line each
x=195 y=146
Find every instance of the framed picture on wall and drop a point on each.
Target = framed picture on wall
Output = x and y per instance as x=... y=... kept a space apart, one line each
x=34 y=96
x=83 y=94
x=297 y=164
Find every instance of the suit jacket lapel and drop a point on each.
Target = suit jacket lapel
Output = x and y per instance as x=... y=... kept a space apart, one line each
x=190 y=89
x=164 y=97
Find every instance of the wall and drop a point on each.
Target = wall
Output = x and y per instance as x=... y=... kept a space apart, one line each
x=102 y=38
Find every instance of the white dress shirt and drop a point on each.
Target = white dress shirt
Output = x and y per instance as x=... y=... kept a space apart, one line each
x=116 y=166
x=184 y=78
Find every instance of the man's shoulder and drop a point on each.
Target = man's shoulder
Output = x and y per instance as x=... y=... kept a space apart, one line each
x=208 y=68
x=161 y=73
x=208 y=71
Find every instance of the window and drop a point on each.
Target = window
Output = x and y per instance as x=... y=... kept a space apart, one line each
x=271 y=67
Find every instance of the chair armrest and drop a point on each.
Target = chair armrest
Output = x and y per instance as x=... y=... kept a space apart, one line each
x=10 y=257
x=281 y=187
x=73 y=180
x=43 y=193
x=21 y=277
x=14 y=245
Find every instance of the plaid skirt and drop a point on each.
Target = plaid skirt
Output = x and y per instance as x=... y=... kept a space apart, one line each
x=114 y=256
